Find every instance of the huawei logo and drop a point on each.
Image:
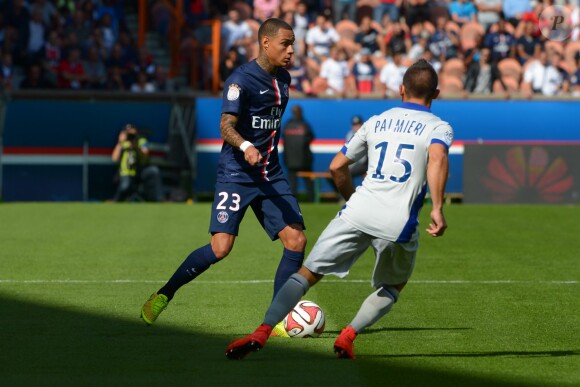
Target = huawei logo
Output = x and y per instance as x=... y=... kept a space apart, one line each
x=528 y=177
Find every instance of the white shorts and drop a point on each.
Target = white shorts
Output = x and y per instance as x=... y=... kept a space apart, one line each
x=340 y=245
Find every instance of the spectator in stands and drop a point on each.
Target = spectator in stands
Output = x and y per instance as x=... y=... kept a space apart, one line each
x=360 y=166
x=575 y=21
x=112 y=8
x=300 y=81
x=528 y=46
x=108 y=33
x=545 y=76
x=6 y=72
x=514 y=10
x=444 y=44
x=132 y=154
x=160 y=81
x=398 y=39
x=387 y=7
x=95 y=71
x=142 y=84
x=48 y=11
x=34 y=35
x=433 y=60
x=297 y=135
x=130 y=51
x=230 y=62
x=364 y=73
x=462 y=11
x=481 y=74
x=237 y=33
x=488 y=12
x=80 y=26
x=71 y=73
x=115 y=79
x=391 y=76
x=145 y=64
x=501 y=43
x=97 y=40
x=344 y=9
x=335 y=71
x=300 y=24
x=417 y=50
x=265 y=9
x=70 y=42
x=368 y=37
x=52 y=56
x=575 y=78
x=17 y=18
x=417 y=11
x=35 y=79
x=117 y=61
x=320 y=38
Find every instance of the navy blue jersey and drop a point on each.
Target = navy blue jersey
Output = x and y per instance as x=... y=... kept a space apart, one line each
x=259 y=100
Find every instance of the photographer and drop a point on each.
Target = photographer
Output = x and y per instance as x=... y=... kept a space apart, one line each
x=132 y=154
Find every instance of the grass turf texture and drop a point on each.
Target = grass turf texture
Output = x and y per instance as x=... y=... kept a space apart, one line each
x=481 y=309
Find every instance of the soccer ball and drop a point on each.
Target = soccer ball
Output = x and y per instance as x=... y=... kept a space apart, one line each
x=305 y=320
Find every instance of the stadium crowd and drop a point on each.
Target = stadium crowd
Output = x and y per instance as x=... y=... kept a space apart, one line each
x=358 y=48
x=344 y=48
x=73 y=44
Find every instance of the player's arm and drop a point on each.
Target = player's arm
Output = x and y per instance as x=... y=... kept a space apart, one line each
x=437 y=171
x=231 y=136
x=341 y=175
x=116 y=155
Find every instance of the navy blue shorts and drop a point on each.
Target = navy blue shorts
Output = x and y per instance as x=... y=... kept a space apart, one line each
x=272 y=203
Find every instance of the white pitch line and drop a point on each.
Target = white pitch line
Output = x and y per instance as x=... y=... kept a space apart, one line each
x=435 y=282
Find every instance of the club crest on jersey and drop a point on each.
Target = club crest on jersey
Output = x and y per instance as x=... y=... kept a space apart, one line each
x=449 y=135
x=222 y=217
x=233 y=93
x=285 y=89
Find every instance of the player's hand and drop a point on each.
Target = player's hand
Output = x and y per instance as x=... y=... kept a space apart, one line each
x=122 y=136
x=437 y=228
x=252 y=155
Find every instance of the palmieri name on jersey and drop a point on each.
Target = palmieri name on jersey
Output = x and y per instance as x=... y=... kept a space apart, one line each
x=400 y=126
x=271 y=122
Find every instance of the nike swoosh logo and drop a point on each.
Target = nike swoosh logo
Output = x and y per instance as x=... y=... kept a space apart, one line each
x=264 y=91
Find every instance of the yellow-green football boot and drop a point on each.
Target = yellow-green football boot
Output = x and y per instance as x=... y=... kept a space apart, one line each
x=153 y=308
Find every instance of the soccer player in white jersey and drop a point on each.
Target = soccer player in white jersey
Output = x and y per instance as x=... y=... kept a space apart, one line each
x=407 y=149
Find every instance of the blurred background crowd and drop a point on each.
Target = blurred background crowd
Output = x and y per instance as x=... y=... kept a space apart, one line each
x=344 y=48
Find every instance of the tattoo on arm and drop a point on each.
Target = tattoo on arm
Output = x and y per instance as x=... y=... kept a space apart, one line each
x=228 y=130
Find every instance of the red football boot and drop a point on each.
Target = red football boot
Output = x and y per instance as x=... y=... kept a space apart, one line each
x=344 y=344
x=238 y=349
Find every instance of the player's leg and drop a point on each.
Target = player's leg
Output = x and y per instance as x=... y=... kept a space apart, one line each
x=228 y=210
x=393 y=267
x=279 y=213
x=285 y=300
x=334 y=252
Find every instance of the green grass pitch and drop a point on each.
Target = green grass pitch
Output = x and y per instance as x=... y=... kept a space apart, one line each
x=496 y=302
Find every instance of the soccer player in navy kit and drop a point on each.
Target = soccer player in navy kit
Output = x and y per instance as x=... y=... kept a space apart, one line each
x=249 y=172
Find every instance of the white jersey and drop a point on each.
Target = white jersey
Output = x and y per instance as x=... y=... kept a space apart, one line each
x=388 y=202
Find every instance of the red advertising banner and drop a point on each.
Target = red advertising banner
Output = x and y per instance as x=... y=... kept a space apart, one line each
x=535 y=173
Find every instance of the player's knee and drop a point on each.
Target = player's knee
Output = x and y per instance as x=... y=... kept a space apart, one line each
x=297 y=242
x=221 y=248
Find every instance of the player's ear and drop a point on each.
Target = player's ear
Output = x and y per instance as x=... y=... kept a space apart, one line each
x=402 y=91
x=265 y=41
x=435 y=94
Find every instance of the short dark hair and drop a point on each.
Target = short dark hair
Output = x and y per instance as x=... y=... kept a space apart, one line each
x=271 y=27
x=420 y=80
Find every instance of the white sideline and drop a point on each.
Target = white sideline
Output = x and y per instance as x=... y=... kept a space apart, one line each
x=128 y=281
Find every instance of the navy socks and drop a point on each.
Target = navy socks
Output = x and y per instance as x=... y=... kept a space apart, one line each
x=289 y=264
x=196 y=263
